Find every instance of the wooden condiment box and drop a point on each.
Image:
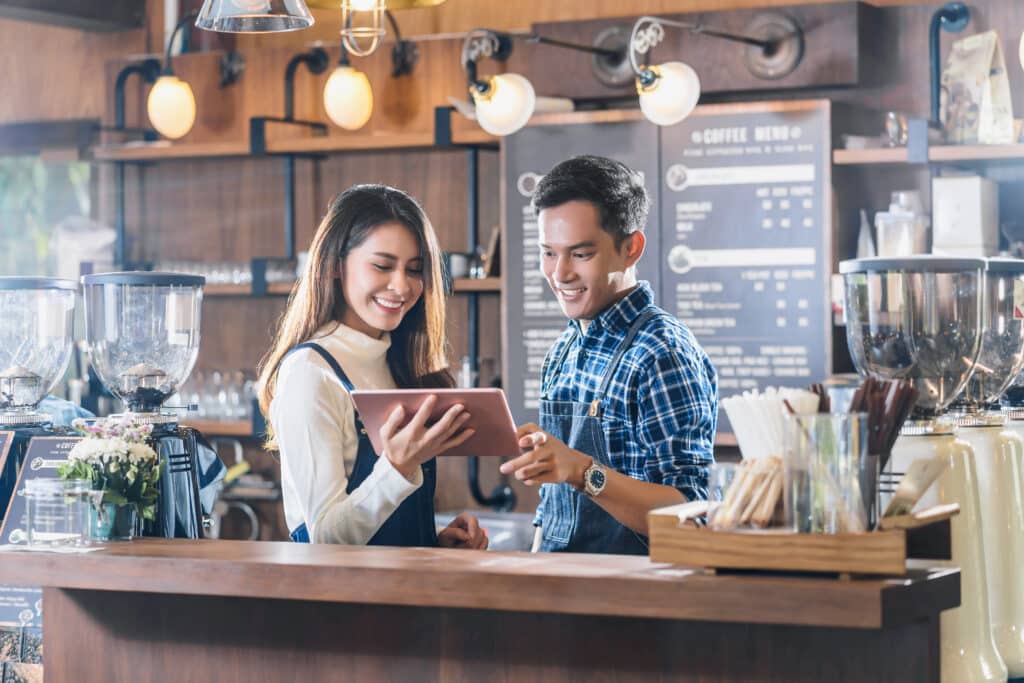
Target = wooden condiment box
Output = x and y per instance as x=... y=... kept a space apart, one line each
x=873 y=552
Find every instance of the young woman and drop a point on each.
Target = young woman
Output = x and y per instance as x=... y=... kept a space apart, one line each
x=368 y=313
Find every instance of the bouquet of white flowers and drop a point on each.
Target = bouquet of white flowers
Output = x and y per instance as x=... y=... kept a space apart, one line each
x=116 y=458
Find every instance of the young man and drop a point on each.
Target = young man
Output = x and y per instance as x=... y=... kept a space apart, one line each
x=629 y=399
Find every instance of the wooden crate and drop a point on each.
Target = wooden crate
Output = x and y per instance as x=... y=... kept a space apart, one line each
x=874 y=552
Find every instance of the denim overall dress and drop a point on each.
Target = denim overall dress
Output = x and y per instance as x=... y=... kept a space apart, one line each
x=412 y=523
x=570 y=520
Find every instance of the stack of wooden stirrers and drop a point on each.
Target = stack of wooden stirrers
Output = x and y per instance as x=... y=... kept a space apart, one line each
x=887 y=403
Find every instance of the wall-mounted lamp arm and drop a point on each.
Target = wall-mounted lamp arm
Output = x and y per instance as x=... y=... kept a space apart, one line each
x=184 y=24
x=316 y=61
x=543 y=40
x=148 y=70
x=649 y=31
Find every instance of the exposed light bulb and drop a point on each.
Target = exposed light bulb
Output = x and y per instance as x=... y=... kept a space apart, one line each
x=348 y=98
x=363 y=5
x=171 y=107
x=672 y=95
x=506 y=105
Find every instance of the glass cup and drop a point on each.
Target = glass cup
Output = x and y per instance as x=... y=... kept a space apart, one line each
x=720 y=477
x=822 y=463
x=56 y=511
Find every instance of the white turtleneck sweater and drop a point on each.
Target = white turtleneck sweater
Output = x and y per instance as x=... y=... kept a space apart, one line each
x=313 y=420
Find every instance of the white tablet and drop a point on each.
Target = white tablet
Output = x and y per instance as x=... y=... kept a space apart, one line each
x=488 y=415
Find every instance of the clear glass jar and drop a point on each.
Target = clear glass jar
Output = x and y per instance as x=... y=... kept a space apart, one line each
x=57 y=511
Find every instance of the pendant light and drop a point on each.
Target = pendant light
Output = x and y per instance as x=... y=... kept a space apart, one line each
x=362 y=21
x=668 y=93
x=348 y=96
x=171 y=106
x=254 y=16
x=505 y=102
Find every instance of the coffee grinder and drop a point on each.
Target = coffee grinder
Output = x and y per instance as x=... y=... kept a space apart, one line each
x=920 y=318
x=999 y=454
x=36 y=321
x=142 y=335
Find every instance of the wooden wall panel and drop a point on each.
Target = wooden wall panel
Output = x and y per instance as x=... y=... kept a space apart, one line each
x=52 y=72
x=459 y=16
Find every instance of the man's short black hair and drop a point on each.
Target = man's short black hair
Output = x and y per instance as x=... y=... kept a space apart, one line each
x=615 y=189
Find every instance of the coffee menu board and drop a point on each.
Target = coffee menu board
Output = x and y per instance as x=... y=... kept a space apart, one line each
x=746 y=239
x=23 y=605
x=533 y=319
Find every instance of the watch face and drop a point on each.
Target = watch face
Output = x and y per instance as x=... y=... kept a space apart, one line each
x=597 y=479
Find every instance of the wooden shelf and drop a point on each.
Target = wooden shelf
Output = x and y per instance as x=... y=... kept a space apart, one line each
x=864 y=157
x=227 y=290
x=353 y=143
x=951 y=154
x=221 y=427
x=280 y=288
x=477 y=284
x=163 y=150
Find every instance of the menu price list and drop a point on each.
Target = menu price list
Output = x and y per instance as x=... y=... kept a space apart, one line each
x=747 y=240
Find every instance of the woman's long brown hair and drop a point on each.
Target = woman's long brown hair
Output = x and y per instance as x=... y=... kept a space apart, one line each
x=418 y=345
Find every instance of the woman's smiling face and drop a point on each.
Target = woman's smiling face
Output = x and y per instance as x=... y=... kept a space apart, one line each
x=382 y=279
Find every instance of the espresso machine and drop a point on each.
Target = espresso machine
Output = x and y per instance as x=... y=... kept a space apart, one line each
x=36 y=320
x=920 y=318
x=142 y=336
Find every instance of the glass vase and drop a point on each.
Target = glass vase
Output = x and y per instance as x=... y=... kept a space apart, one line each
x=112 y=522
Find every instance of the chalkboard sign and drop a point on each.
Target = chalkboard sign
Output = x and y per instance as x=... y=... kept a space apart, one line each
x=533 y=319
x=746 y=239
x=43 y=456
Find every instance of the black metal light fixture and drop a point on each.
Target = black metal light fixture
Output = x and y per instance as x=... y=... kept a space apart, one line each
x=316 y=61
x=669 y=92
x=362 y=21
x=952 y=17
x=505 y=102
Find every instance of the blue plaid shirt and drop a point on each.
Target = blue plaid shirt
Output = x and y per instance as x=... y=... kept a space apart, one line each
x=661 y=408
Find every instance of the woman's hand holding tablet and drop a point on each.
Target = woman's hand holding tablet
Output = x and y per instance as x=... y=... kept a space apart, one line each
x=492 y=431
x=409 y=444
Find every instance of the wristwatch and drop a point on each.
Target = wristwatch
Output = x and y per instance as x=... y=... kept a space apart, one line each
x=594 y=479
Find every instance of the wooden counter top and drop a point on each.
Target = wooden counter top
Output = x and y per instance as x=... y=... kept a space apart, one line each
x=425 y=577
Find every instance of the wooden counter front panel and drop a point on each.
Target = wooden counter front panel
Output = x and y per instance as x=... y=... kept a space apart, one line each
x=151 y=638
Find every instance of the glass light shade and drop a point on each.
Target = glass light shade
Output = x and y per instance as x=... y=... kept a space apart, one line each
x=507 y=104
x=254 y=16
x=348 y=98
x=171 y=107
x=392 y=4
x=671 y=97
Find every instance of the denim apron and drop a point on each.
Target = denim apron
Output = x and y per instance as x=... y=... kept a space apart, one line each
x=412 y=523
x=570 y=520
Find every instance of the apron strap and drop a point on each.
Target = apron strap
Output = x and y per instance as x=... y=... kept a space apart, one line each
x=558 y=363
x=624 y=345
x=342 y=377
x=330 y=360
